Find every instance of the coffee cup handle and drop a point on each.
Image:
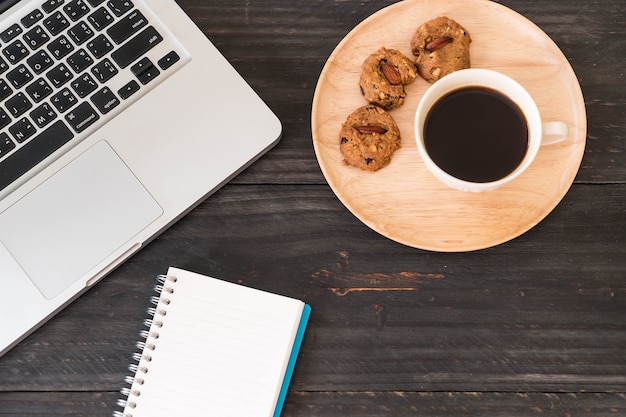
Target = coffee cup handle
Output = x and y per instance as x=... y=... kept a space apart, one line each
x=553 y=132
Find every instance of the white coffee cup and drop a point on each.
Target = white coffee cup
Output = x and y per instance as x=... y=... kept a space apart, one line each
x=539 y=133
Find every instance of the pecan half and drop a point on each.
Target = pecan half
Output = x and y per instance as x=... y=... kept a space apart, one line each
x=369 y=129
x=438 y=43
x=391 y=73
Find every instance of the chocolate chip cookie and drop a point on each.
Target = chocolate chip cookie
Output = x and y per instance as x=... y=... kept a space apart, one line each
x=383 y=77
x=441 y=46
x=368 y=138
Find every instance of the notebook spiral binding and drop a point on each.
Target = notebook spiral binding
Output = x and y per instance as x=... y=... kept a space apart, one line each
x=146 y=345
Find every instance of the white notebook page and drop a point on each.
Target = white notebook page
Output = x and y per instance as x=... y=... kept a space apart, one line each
x=222 y=350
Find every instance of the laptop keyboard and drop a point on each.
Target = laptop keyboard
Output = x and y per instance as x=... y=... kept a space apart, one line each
x=68 y=67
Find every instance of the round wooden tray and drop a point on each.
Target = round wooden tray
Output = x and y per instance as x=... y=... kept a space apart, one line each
x=404 y=201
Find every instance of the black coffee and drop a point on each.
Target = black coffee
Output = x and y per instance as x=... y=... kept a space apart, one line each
x=476 y=134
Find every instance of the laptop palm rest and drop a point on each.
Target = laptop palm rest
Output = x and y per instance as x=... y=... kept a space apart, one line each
x=93 y=205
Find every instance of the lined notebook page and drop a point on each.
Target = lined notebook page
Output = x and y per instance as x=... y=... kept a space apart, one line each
x=222 y=350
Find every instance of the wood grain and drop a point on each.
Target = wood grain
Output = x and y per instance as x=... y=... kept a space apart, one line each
x=404 y=201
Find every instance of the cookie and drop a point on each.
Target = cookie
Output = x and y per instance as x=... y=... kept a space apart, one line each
x=383 y=77
x=441 y=46
x=368 y=138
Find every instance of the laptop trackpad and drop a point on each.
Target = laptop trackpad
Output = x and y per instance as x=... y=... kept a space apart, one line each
x=76 y=219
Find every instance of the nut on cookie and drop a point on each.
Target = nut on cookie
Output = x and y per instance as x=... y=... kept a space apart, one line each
x=383 y=77
x=368 y=138
x=441 y=46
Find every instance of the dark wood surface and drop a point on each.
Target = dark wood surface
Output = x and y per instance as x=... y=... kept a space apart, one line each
x=535 y=326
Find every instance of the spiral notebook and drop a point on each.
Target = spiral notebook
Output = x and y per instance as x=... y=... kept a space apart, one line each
x=214 y=348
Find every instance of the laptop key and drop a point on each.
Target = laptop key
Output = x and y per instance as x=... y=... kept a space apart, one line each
x=36 y=37
x=127 y=26
x=40 y=61
x=18 y=104
x=50 y=5
x=3 y=65
x=5 y=90
x=94 y=3
x=59 y=75
x=100 y=19
x=43 y=115
x=128 y=89
x=6 y=144
x=39 y=90
x=60 y=47
x=81 y=117
x=105 y=100
x=104 y=70
x=10 y=33
x=33 y=152
x=145 y=71
x=79 y=60
x=80 y=33
x=119 y=7
x=99 y=46
x=76 y=9
x=32 y=18
x=22 y=130
x=56 y=23
x=136 y=47
x=15 y=52
x=84 y=85
x=5 y=119
x=168 y=60
x=63 y=100
x=20 y=76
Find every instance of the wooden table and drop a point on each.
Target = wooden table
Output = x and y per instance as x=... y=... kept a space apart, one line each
x=534 y=326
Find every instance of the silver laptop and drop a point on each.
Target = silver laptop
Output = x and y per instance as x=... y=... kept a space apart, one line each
x=116 y=118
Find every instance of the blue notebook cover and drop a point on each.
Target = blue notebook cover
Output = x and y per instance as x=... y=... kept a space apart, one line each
x=306 y=312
